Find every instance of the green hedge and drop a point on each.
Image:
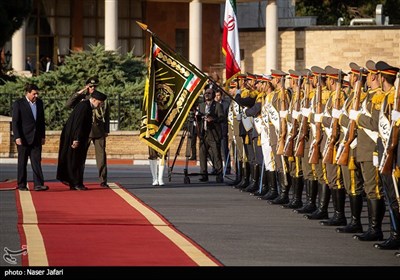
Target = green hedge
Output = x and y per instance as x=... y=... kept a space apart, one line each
x=122 y=78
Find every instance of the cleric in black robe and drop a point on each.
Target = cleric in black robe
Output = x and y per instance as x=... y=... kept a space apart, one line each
x=74 y=142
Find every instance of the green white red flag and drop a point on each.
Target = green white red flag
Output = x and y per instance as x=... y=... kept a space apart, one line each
x=230 y=40
x=172 y=87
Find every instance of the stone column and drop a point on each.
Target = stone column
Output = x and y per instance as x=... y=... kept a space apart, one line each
x=111 y=25
x=271 y=36
x=195 y=30
x=18 y=49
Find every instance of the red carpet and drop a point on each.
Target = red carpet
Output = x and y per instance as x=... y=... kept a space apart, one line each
x=100 y=227
x=8 y=185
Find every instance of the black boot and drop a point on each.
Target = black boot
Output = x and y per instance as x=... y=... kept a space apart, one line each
x=264 y=184
x=245 y=177
x=255 y=180
x=376 y=212
x=355 y=226
x=393 y=242
x=239 y=173
x=311 y=197
x=324 y=194
x=296 y=202
x=283 y=197
x=338 y=218
x=273 y=187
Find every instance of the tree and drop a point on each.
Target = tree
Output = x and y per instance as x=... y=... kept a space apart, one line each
x=328 y=11
x=13 y=13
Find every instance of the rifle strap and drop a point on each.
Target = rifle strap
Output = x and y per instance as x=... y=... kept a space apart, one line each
x=371 y=134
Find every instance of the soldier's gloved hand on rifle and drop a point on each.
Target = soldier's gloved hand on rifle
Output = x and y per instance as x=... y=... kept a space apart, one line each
x=296 y=114
x=306 y=112
x=353 y=115
x=238 y=91
x=244 y=112
x=318 y=118
x=336 y=113
x=239 y=117
x=283 y=114
x=395 y=115
x=375 y=160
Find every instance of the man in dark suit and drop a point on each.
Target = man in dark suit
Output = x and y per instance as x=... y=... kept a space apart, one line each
x=225 y=102
x=209 y=118
x=29 y=134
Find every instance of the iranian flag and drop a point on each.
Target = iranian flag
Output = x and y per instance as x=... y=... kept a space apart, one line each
x=230 y=40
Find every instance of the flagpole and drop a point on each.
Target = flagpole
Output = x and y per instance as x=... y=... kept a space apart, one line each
x=145 y=28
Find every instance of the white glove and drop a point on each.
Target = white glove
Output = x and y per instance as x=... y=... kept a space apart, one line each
x=283 y=114
x=336 y=113
x=375 y=160
x=318 y=118
x=239 y=117
x=395 y=115
x=353 y=115
x=238 y=91
x=306 y=112
x=296 y=114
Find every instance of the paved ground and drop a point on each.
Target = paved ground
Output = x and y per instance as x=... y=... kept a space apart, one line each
x=236 y=228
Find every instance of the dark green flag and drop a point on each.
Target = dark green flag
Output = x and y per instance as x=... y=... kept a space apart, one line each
x=172 y=87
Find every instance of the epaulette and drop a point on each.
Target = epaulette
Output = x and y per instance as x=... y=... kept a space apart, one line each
x=260 y=97
x=254 y=93
x=325 y=96
x=245 y=93
x=377 y=99
x=311 y=94
x=363 y=95
x=270 y=97
x=390 y=94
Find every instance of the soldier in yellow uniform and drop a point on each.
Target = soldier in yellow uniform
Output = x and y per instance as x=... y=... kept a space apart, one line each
x=274 y=116
x=255 y=112
x=372 y=187
x=268 y=159
x=246 y=99
x=295 y=162
x=316 y=185
x=234 y=119
x=367 y=134
x=387 y=78
x=333 y=178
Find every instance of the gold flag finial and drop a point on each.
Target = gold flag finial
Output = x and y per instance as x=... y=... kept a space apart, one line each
x=142 y=25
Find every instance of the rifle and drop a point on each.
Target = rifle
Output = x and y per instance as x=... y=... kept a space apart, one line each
x=335 y=128
x=315 y=145
x=295 y=123
x=342 y=157
x=303 y=130
x=387 y=162
x=283 y=122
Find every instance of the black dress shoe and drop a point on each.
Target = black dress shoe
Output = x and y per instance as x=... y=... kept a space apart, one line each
x=203 y=179
x=41 y=188
x=79 y=188
x=23 y=188
x=104 y=185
